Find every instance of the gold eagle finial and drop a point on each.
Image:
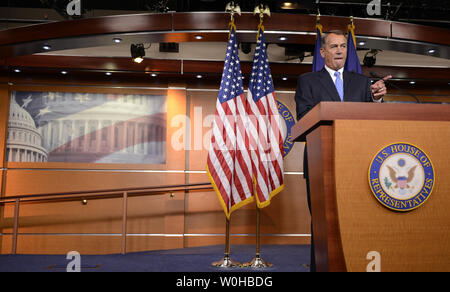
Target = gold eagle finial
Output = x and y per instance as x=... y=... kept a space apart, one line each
x=233 y=9
x=261 y=10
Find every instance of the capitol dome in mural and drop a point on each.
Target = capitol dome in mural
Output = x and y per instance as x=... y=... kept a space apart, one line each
x=24 y=140
x=87 y=127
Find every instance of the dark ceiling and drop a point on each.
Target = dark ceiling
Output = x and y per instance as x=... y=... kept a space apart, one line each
x=431 y=12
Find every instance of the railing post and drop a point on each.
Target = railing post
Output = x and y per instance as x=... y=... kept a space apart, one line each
x=124 y=223
x=16 y=226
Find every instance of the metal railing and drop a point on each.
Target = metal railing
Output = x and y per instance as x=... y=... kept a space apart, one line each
x=124 y=193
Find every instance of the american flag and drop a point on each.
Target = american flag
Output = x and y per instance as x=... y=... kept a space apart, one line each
x=264 y=127
x=88 y=127
x=318 y=60
x=229 y=166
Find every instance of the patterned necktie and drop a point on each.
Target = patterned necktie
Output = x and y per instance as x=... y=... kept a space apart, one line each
x=339 y=85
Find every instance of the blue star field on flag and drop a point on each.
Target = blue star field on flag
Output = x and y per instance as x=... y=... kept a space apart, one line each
x=261 y=82
x=231 y=84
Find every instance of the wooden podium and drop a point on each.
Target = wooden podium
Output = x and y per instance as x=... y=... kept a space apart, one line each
x=349 y=223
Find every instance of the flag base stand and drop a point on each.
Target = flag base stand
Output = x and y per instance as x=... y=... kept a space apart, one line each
x=257 y=262
x=226 y=261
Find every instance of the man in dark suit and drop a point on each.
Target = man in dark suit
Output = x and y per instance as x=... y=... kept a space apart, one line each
x=332 y=83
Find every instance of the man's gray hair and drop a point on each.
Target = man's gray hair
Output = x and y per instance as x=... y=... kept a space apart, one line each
x=325 y=37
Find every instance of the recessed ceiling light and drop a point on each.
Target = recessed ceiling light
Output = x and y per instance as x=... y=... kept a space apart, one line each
x=153 y=74
x=198 y=37
x=431 y=51
x=289 y=5
x=362 y=43
x=64 y=72
x=108 y=73
x=412 y=82
x=46 y=47
x=117 y=40
x=282 y=38
x=199 y=76
x=284 y=78
x=17 y=70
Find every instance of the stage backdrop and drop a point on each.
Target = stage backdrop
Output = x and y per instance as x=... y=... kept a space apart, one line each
x=86 y=127
x=154 y=222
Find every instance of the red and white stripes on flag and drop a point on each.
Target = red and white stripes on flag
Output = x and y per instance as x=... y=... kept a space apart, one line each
x=229 y=166
x=246 y=154
x=264 y=128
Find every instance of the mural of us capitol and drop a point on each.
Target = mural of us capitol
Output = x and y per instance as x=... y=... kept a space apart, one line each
x=401 y=177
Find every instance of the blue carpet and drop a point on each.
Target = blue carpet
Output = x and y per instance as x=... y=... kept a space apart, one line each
x=285 y=258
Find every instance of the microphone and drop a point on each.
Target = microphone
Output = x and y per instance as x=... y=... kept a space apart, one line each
x=373 y=74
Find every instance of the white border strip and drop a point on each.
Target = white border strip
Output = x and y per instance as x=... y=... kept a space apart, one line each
x=161 y=234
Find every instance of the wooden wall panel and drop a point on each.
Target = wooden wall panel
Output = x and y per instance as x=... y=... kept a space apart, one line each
x=420 y=33
x=4 y=110
x=4 y=116
x=26 y=182
x=97 y=216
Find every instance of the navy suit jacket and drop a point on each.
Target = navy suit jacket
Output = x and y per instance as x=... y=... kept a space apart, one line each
x=314 y=87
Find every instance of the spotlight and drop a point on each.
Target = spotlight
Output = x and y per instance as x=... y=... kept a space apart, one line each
x=370 y=58
x=137 y=52
x=246 y=48
x=369 y=61
x=47 y=47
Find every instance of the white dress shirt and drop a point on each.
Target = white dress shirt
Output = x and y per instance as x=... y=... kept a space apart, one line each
x=331 y=72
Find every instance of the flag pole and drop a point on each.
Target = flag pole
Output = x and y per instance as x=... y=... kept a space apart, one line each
x=226 y=261
x=257 y=261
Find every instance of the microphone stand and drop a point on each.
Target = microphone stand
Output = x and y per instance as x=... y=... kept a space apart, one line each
x=395 y=86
